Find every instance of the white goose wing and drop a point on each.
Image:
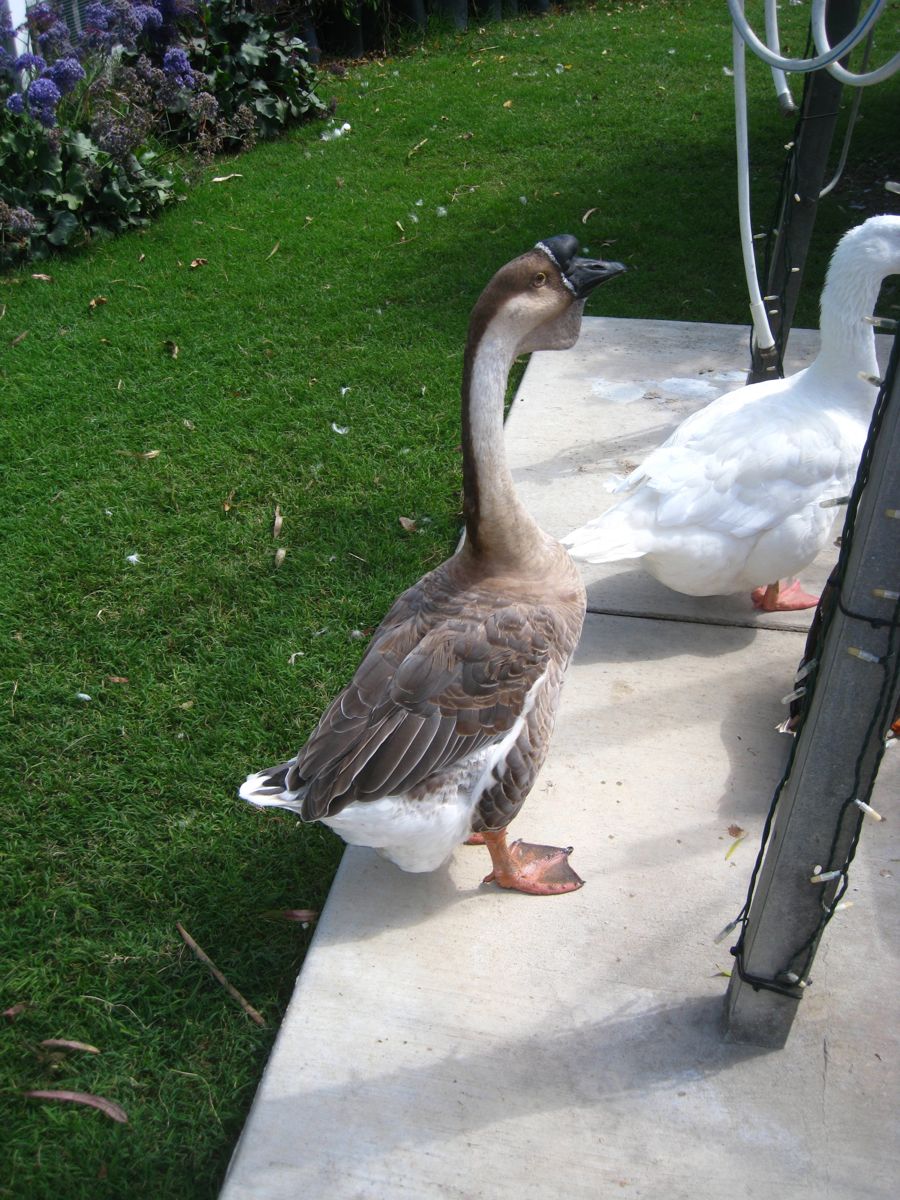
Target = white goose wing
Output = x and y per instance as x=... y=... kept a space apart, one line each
x=742 y=471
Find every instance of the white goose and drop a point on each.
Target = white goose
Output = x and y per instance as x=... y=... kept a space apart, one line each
x=733 y=499
x=443 y=728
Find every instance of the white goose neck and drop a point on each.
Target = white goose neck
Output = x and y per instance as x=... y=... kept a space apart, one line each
x=849 y=296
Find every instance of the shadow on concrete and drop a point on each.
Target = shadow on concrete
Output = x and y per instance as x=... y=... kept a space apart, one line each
x=654 y=638
x=637 y=1051
x=631 y=591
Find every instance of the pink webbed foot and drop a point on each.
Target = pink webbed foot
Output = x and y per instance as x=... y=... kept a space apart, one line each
x=776 y=598
x=475 y=839
x=523 y=867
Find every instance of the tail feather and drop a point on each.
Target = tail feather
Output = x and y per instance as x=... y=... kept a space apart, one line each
x=269 y=789
x=603 y=540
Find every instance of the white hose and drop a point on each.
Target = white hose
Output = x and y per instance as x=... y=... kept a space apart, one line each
x=763 y=333
x=820 y=37
x=804 y=65
x=742 y=36
x=851 y=125
x=782 y=89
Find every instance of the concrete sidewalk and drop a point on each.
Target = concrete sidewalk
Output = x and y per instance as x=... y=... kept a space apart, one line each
x=450 y=1040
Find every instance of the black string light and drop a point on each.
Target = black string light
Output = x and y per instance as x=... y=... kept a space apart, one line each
x=793 y=978
x=788 y=187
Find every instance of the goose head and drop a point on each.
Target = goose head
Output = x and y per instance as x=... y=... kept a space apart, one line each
x=864 y=257
x=873 y=247
x=536 y=301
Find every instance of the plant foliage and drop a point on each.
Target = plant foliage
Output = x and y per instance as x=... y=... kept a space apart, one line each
x=251 y=63
x=93 y=124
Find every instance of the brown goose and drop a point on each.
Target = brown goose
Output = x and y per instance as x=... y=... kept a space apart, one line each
x=442 y=730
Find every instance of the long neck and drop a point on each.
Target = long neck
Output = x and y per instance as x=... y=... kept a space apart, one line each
x=496 y=522
x=848 y=341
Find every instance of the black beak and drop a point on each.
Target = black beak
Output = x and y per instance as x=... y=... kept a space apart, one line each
x=582 y=274
x=586 y=273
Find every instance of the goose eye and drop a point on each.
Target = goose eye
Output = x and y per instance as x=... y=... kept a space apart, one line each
x=539 y=280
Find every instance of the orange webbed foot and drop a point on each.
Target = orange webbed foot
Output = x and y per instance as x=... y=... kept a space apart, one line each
x=524 y=867
x=776 y=598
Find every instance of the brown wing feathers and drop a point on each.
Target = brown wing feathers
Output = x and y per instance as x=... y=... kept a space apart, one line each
x=421 y=701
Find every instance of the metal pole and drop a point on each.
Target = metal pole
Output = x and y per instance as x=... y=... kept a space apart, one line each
x=807 y=166
x=836 y=756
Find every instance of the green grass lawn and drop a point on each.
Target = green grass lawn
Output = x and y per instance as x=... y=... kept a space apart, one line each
x=338 y=281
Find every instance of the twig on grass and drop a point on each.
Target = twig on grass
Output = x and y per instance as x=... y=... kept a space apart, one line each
x=219 y=977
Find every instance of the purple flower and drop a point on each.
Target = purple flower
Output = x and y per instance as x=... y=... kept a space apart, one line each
x=98 y=26
x=20 y=220
x=43 y=97
x=55 y=40
x=97 y=15
x=177 y=66
x=16 y=103
x=31 y=62
x=43 y=93
x=149 y=17
x=41 y=15
x=66 y=73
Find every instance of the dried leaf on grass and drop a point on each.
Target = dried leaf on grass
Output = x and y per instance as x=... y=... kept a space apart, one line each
x=507 y=103
x=218 y=976
x=199 y=262
x=145 y=455
x=303 y=915
x=21 y=338
x=280 y=555
x=408 y=524
x=225 y=178
x=42 y=278
x=418 y=146
x=112 y=1110
x=97 y=301
x=274 y=250
x=277 y=522
x=228 y=502
x=68 y=1044
x=14 y=1010
x=590 y=212
x=171 y=349
x=117 y=679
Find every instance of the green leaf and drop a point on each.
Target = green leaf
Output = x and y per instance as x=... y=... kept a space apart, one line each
x=81 y=146
x=251 y=55
x=65 y=225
